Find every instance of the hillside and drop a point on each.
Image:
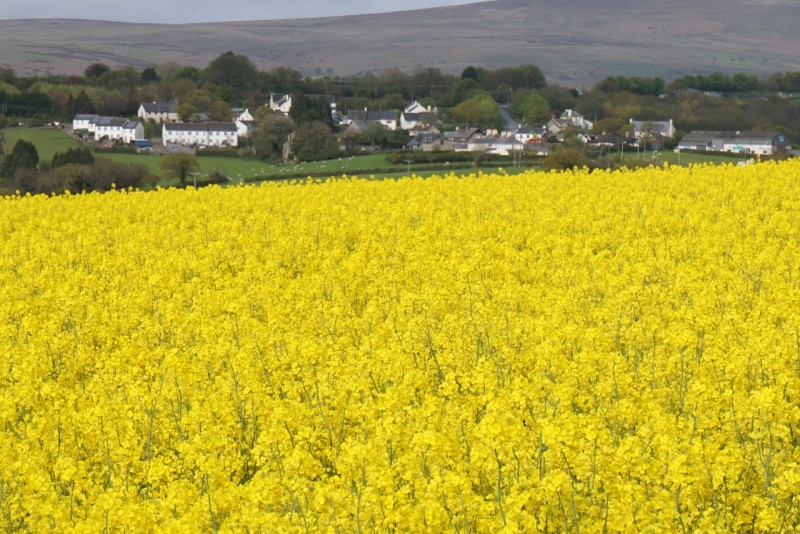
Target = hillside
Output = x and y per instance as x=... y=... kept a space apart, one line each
x=574 y=41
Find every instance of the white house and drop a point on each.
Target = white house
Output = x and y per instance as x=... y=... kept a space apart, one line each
x=116 y=129
x=460 y=139
x=429 y=142
x=423 y=129
x=201 y=134
x=244 y=120
x=132 y=131
x=663 y=128
x=242 y=114
x=159 y=112
x=496 y=144
x=244 y=128
x=411 y=120
x=568 y=119
x=525 y=134
x=387 y=118
x=281 y=103
x=109 y=127
x=82 y=122
x=416 y=107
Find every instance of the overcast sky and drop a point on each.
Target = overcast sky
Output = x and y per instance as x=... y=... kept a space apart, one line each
x=180 y=11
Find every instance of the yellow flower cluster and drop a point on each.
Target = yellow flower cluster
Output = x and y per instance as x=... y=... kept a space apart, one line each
x=605 y=351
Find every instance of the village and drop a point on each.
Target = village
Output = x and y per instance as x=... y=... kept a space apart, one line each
x=422 y=125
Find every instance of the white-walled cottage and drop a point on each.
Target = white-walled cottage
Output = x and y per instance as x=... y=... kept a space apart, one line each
x=496 y=144
x=387 y=118
x=525 y=134
x=116 y=129
x=664 y=129
x=242 y=114
x=132 y=131
x=201 y=134
x=460 y=139
x=82 y=122
x=416 y=107
x=245 y=128
x=412 y=120
x=280 y=102
x=568 y=119
x=159 y=112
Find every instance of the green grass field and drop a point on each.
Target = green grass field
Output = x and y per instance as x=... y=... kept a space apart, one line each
x=48 y=141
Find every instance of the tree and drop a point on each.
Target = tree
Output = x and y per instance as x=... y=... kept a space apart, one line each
x=631 y=84
x=30 y=104
x=80 y=156
x=565 y=158
x=186 y=73
x=430 y=81
x=351 y=138
x=271 y=134
x=7 y=75
x=375 y=135
x=314 y=141
x=186 y=110
x=220 y=111
x=281 y=80
x=149 y=75
x=125 y=80
x=473 y=73
x=24 y=156
x=559 y=98
x=179 y=166
x=393 y=101
x=80 y=104
x=480 y=112
x=532 y=107
x=100 y=175
x=463 y=90
x=95 y=70
x=394 y=81
x=520 y=77
x=305 y=110
x=235 y=71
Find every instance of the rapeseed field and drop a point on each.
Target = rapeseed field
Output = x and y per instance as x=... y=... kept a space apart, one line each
x=545 y=352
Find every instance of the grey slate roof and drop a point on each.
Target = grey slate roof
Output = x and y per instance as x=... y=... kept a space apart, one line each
x=461 y=135
x=201 y=127
x=360 y=115
x=160 y=107
x=706 y=136
x=111 y=122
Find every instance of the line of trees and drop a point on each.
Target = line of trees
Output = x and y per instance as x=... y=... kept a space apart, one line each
x=784 y=82
x=75 y=170
x=233 y=80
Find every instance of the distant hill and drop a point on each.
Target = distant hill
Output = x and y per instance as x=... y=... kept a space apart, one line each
x=575 y=42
